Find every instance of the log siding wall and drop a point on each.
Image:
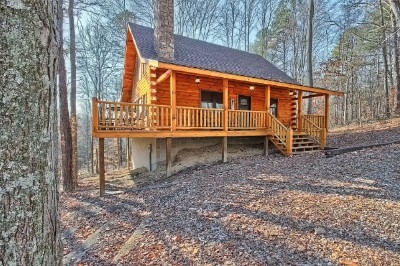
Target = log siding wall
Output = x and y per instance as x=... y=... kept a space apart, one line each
x=188 y=93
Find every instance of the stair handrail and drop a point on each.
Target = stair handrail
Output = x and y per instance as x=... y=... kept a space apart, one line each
x=278 y=129
x=313 y=130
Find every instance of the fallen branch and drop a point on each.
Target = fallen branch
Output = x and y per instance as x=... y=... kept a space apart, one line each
x=334 y=152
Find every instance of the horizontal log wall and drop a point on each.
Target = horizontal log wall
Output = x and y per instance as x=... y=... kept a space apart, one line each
x=188 y=93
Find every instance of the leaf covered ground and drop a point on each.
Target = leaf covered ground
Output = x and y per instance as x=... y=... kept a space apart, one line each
x=255 y=210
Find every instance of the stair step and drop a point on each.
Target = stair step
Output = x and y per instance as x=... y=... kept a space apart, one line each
x=307 y=147
x=304 y=144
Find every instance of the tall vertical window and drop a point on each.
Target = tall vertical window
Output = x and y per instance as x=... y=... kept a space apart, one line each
x=211 y=99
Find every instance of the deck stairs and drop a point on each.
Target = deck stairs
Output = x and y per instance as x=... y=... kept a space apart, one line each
x=302 y=143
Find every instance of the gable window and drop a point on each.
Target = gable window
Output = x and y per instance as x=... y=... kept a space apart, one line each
x=211 y=99
x=273 y=107
x=143 y=70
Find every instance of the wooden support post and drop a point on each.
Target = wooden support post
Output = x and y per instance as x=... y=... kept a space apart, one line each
x=168 y=161
x=225 y=149
x=267 y=103
x=173 y=99
x=289 y=142
x=266 y=141
x=327 y=112
x=300 y=111
x=323 y=138
x=226 y=103
x=129 y=154
x=102 y=168
x=95 y=111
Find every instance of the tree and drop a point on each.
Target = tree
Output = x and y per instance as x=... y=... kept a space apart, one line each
x=29 y=218
x=72 y=58
x=395 y=7
x=69 y=181
x=310 y=52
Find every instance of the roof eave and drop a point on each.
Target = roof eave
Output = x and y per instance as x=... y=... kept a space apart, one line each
x=217 y=74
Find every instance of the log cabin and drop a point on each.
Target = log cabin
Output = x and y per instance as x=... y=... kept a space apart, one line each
x=193 y=91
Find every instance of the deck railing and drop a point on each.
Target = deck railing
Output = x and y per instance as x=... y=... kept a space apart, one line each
x=243 y=119
x=125 y=116
x=318 y=120
x=199 y=118
x=131 y=116
x=281 y=133
x=316 y=132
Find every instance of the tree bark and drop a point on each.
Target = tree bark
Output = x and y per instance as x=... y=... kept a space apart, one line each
x=29 y=217
x=395 y=6
x=385 y=63
x=310 y=53
x=65 y=126
x=74 y=122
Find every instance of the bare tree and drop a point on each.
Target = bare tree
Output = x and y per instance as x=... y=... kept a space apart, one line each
x=29 y=218
x=228 y=26
x=69 y=181
x=72 y=58
x=196 y=18
x=310 y=52
x=395 y=7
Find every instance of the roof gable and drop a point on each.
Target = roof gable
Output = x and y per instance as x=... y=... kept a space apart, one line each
x=203 y=55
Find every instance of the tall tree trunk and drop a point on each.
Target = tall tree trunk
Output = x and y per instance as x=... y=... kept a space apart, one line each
x=66 y=144
x=92 y=155
x=74 y=122
x=385 y=62
x=396 y=57
x=29 y=217
x=310 y=52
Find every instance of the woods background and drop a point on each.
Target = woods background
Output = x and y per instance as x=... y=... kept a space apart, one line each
x=350 y=46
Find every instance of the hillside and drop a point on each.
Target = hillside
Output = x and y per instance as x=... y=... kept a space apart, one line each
x=253 y=210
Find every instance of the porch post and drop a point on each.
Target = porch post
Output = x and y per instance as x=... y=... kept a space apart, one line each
x=172 y=81
x=226 y=102
x=224 y=149
x=95 y=110
x=300 y=111
x=267 y=103
x=101 y=166
x=289 y=141
x=327 y=111
x=168 y=162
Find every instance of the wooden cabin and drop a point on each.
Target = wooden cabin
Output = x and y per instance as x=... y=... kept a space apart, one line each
x=176 y=87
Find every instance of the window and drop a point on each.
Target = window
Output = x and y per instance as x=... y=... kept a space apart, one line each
x=143 y=70
x=211 y=99
x=273 y=107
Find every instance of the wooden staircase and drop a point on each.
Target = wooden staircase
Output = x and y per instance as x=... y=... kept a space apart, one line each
x=292 y=142
x=301 y=143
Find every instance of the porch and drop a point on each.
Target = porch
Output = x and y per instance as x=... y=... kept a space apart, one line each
x=132 y=120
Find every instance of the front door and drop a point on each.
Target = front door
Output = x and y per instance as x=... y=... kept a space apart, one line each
x=244 y=102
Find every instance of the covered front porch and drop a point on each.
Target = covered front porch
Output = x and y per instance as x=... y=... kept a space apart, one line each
x=132 y=120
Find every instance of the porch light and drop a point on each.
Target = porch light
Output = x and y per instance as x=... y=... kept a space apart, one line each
x=251 y=87
x=197 y=80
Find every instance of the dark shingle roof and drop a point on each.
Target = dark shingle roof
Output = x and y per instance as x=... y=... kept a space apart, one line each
x=203 y=55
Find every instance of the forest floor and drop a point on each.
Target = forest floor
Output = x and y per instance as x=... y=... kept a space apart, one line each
x=254 y=210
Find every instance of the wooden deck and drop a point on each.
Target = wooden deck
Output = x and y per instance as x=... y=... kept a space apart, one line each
x=130 y=120
x=123 y=120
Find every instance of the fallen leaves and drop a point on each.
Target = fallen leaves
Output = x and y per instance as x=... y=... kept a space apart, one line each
x=306 y=210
